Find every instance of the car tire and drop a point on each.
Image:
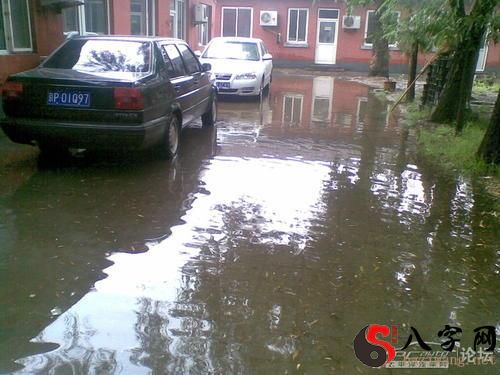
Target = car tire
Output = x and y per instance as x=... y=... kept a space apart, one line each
x=169 y=147
x=209 y=118
x=261 y=91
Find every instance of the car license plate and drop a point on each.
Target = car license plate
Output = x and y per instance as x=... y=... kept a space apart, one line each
x=69 y=98
x=223 y=85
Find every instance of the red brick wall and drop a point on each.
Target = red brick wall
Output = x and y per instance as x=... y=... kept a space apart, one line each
x=349 y=42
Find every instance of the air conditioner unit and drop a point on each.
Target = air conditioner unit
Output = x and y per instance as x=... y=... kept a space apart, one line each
x=269 y=18
x=351 y=22
x=59 y=4
x=199 y=15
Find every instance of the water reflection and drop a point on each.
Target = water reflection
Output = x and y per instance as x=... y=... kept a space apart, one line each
x=269 y=257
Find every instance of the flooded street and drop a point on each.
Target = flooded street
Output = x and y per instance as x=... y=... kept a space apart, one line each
x=263 y=249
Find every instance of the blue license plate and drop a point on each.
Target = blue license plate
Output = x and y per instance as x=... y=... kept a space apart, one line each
x=68 y=98
x=223 y=85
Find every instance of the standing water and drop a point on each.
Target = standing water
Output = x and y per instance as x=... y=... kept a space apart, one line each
x=263 y=249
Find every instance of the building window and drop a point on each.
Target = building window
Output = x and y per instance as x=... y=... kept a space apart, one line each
x=92 y=17
x=15 y=26
x=237 y=22
x=178 y=18
x=142 y=17
x=204 y=29
x=369 y=28
x=292 y=109
x=297 y=25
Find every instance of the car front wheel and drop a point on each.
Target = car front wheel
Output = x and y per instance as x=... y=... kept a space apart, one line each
x=209 y=118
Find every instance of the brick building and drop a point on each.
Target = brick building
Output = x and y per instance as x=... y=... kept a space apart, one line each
x=297 y=32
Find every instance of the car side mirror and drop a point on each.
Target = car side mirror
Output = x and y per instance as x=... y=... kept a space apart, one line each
x=206 y=67
x=197 y=53
x=267 y=56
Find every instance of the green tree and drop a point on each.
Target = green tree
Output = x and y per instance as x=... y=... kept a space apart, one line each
x=469 y=23
x=489 y=150
x=379 y=65
x=416 y=31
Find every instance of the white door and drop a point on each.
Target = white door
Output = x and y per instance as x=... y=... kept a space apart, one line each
x=326 y=36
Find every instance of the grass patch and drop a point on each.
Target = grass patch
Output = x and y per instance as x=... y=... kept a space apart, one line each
x=485 y=86
x=414 y=114
x=456 y=152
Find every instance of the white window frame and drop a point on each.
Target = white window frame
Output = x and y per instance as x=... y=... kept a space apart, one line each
x=9 y=35
x=298 y=18
x=236 y=25
x=361 y=99
x=394 y=45
x=292 y=96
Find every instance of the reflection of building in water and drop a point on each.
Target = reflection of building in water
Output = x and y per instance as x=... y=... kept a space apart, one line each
x=292 y=109
x=322 y=97
x=317 y=103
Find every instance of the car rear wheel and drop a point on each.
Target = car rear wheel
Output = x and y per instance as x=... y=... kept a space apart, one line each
x=209 y=118
x=170 y=145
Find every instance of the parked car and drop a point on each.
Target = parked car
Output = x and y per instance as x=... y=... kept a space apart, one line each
x=110 y=92
x=242 y=66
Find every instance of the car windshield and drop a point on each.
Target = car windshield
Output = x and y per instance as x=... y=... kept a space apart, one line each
x=223 y=49
x=99 y=56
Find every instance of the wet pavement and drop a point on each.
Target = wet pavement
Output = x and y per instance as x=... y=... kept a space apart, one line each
x=263 y=249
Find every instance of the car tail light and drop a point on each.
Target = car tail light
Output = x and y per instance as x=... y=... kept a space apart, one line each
x=128 y=98
x=12 y=89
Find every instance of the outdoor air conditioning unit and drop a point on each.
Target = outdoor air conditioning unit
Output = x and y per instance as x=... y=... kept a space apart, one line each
x=268 y=18
x=59 y=4
x=199 y=15
x=351 y=22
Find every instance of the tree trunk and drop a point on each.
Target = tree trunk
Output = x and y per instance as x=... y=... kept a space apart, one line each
x=410 y=96
x=489 y=150
x=379 y=65
x=461 y=74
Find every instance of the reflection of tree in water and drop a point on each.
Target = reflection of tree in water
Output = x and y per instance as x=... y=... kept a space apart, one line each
x=78 y=356
x=172 y=336
x=151 y=332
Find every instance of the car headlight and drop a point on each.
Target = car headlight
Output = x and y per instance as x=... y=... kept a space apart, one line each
x=246 y=76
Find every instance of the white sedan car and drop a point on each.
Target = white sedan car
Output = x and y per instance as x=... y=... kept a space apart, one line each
x=241 y=66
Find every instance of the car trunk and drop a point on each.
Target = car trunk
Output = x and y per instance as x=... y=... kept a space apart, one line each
x=69 y=95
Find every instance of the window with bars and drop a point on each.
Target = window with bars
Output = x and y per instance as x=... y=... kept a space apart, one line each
x=204 y=29
x=237 y=22
x=91 y=17
x=142 y=17
x=297 y=25
x=15 y=26
x=370 y=27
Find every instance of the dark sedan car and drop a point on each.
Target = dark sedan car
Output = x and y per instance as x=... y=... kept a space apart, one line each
x=110 y=92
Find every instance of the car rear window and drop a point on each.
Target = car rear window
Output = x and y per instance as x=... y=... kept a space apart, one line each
x=102 y=56
x=236 y=50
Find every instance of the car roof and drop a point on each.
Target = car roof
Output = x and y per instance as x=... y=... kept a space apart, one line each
x=138 y=38
x=238 y=39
